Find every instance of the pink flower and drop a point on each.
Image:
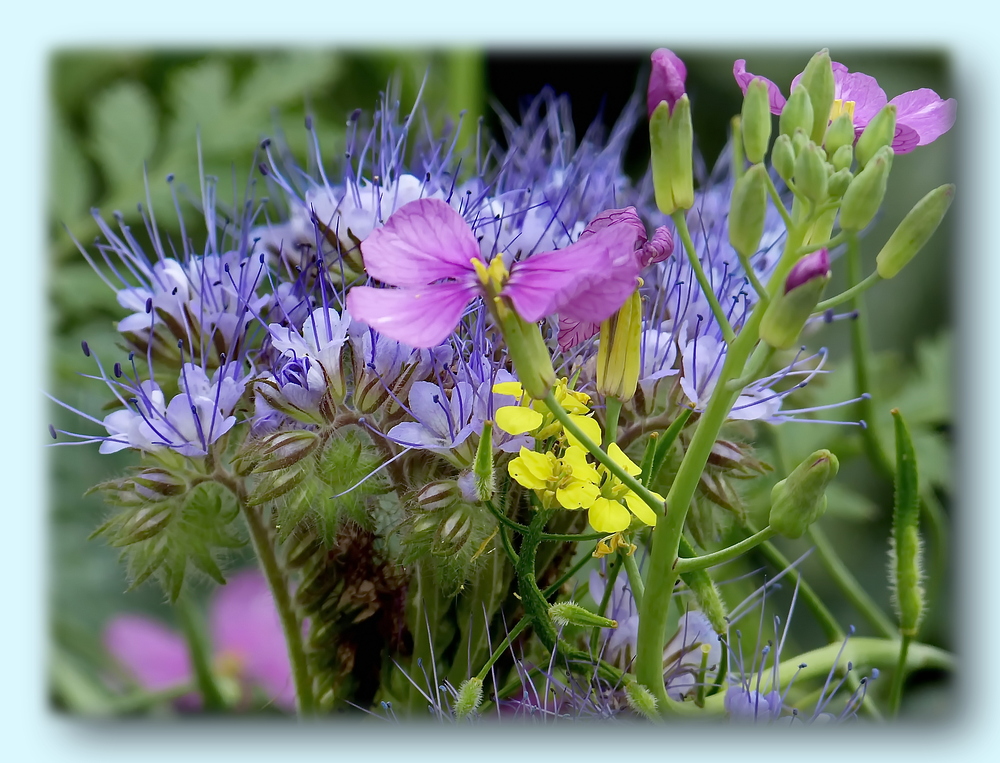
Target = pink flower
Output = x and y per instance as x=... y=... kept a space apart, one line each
x=428 y=251
x=246 y=636
x=666 y=80
x=921 y=115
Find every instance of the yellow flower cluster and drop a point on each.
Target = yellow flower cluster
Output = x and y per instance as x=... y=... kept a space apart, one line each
x=569 y=480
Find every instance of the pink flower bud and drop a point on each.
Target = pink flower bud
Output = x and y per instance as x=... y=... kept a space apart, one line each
x=666 y=80
x=814 y=265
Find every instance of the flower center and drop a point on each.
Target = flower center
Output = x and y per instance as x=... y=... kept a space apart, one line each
x=492 y=276
x=842 y=107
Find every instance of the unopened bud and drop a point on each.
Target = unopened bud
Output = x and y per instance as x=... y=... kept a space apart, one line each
x=914 y=231
x=799 y=140
x=756 y=121
x=748 y=210
x=666 y=79
x=641 y=700
x=619 y=351
x=453 y=533
x=839 y=134
x=470 y=695
x=569 y=613
x=865 y=193
x=797 y=114
x=157 y=484
x=800 y=499
x=810 y=173
x=283 y=449
x=438 y=495
x=671 y=141
x=483 y=469
x=839 y=181
x=842 y=158
x=788 y=312
x=818 y=80
x=878 y=134
x=783 y=157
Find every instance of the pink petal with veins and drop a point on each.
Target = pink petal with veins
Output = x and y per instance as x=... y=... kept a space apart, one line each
x=924 y=112
x=744 y=78
x=420 y=317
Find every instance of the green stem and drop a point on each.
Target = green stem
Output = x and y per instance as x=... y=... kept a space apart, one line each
x=198 y=648
x=536 y=608
x=752 y=276
x=664 y=444
x=681 y=224
x=627 y=479
x=849 y=585
x=523 y=623
x=613 y=409
x=778 y=203
x=862 y=652
x=896 y=695
x=562 y=537
x=830 y=243
x=690 y=564
x=634 y=578
x=761 y=356
x=849 y=294
x=278 y=585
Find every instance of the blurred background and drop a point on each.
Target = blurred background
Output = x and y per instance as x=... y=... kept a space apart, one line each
x=114 y=112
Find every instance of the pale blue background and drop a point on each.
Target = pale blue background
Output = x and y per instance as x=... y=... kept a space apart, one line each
x=28 y=731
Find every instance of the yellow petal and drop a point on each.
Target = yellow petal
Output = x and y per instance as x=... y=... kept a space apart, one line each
x=577 y=495
x=512 y=388
x=608 y=516
x=519 y=471
x=619 y=457
x=640 y=509
x=575 y=458
x=516 y=419
x=590 y=427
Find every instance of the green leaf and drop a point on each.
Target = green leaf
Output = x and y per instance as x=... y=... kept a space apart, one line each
x=123 y=129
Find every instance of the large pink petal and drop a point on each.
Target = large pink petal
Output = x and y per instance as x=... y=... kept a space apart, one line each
x=863 y=89
x=744 y=78
x=421 y=317
x=422 y=242
x=245 y=625
x=925 y=112
x=156 y=656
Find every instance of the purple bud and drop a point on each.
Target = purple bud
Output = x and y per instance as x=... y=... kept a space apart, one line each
x=658 y=248
x=666 y=80
x=814 y=265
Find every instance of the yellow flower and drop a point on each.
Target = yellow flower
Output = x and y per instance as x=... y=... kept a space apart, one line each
x=607 y=514
x=534 y=416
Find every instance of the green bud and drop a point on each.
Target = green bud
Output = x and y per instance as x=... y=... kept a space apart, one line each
x=528 y=353
x=799 y=141
x=800 y=499
x=671 y=142
x=783 y=157
x=641 y=700
x=839 y=181
x=842 y=158
x=282 y=449
x=619 y=351
x=878 y=134
x=453 y=532
x=747 y=210
x=788 y=312
x=914 y=231
x=569 y=613
x=440 y=494
x=865 y=193
x=756 y=121
x=818 y=81
x=840 y=134
x=470 y=695
x=483 y=469
x=906 y=551
x=797 y=114
x=810 y=173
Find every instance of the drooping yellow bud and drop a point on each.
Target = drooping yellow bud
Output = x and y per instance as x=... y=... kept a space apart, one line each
x=619 y=350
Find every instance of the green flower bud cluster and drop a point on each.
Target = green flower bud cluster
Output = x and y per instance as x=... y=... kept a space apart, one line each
x=800 y=499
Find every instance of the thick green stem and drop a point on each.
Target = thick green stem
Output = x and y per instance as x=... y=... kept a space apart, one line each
x=720 y=316
x=536 y=608
x=666 y=535
x=290 y=625
x=691 y=564
x=849 y=585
